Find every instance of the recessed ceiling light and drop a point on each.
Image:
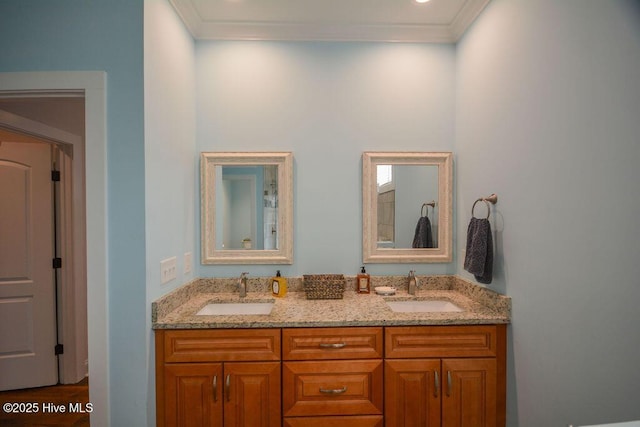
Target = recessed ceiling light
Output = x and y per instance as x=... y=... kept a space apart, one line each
x=421 y=1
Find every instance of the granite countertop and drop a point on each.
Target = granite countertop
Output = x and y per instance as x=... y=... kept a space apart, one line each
x=178 y=309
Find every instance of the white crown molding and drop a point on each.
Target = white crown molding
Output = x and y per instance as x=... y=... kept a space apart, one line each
x=466 y=17
x=189 y=15
x=327 y=31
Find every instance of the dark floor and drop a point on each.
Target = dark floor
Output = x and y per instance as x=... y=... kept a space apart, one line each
x=46 y=404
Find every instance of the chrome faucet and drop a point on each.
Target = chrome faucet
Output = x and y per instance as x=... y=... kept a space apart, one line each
x=242 y=284
x=413 y=282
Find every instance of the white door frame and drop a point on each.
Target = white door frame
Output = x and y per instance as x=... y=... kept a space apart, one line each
x=93 y=84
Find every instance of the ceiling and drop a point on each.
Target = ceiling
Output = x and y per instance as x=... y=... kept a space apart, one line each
x=437 y=21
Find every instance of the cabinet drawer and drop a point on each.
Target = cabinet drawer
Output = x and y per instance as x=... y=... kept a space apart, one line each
x=331 y=343
x=352 y=387
x=441 y=341
x=357 y=421
x=206 y=345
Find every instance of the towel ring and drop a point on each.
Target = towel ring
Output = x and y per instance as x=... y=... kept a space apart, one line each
x=493 y=199
x=431 y=203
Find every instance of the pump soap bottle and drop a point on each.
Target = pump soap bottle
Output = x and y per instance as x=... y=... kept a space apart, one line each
x=364 y=282
x=278 y=285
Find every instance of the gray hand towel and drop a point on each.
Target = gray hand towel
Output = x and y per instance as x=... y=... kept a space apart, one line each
x=479 y=258
x=423 y=237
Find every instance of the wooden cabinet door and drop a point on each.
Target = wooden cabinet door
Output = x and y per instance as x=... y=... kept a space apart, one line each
x=252 y=394
x=192 y=395
x=412 y=393
x=470 y=392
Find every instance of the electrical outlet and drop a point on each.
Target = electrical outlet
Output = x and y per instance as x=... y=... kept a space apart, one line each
x=188 y=262
x=168 y=270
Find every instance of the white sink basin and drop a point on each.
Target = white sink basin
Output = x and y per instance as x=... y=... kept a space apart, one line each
x=426 y=306
x=231 y=308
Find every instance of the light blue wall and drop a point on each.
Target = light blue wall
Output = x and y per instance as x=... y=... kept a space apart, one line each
x=171 y=159
x=327 y=103
x=545 y=99
x=43 y=35
x=547 y=117
x=170 y=152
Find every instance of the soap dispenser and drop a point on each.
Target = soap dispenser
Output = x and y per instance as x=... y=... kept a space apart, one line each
x=364 y=282
x=278 y=285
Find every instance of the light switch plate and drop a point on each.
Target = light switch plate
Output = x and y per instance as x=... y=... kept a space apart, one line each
x=168 y=270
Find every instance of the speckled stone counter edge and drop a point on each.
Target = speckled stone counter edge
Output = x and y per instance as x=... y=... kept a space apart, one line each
x=176 y=309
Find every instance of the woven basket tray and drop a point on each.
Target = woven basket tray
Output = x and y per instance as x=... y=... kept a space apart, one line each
x=324 y=286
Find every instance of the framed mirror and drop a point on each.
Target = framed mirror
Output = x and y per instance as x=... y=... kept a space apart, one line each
x=407 y=207
x=246 y=208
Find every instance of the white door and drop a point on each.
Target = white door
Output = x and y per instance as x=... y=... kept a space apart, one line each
x=27 y=288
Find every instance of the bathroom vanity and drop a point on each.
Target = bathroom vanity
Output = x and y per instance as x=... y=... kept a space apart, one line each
x=347 y=362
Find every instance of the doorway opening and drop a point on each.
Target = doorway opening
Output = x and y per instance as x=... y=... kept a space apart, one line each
x=53 y=308
x=93 y=85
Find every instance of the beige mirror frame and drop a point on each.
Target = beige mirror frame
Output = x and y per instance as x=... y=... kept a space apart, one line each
x=208 y=187
x=371 y=253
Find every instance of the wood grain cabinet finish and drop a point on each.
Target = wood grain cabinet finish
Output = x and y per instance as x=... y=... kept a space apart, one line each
x=333 y=377
x=413 y=389
x=188 y=395
x=206 y=345
x=350 y=421
x=396 y=376
x=352 y=387
x=403 y=342
x=464 y=390
x=214 y=392
x=331 y=343
x=470 y=393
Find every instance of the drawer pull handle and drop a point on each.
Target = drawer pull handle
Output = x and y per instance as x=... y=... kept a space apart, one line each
x=227 y=387
x=334 y=345
x=448 y=383
x=215 y=388
x=333 y=391
x=437 y=384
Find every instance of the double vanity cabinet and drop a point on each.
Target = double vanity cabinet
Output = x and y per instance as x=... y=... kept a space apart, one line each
x=352 y=376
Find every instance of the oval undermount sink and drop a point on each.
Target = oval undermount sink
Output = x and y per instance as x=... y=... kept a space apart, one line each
x=425 y=306
x=233 y=308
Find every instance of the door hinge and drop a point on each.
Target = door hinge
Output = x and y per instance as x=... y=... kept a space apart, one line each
x=57 y=263
x=55 y=176
x=59 y=349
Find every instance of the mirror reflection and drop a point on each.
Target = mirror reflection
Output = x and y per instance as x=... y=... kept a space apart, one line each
x=407 y=207
x=248 y=207
x=407 y=204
